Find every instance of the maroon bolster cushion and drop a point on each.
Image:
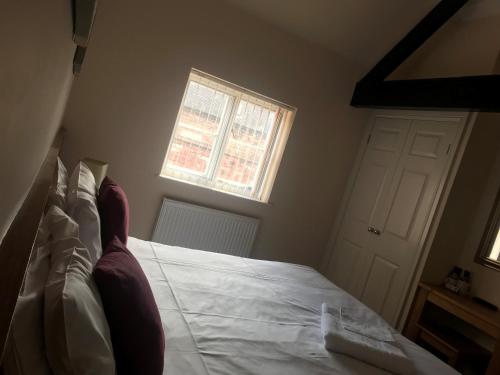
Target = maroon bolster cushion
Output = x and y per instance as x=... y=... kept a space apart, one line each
x=113 y=209
x=131 y=311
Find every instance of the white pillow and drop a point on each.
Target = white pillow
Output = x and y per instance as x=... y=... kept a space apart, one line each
x=83 y=210
x=76 y=331
x=58 y=192
x=26 y=353
x=82 y=179
x=58 y=224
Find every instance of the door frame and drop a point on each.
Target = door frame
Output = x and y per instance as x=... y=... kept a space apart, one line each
x=442 y=193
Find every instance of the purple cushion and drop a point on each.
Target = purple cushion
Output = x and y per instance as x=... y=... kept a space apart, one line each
x=113 y=211
x=133 y=317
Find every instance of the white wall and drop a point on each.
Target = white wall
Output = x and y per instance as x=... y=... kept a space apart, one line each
x=485 y=280
x=465 y=48
x=35 y=78
x=461 y=47
x=123 y=107
x=463 y=212
x=466 y=214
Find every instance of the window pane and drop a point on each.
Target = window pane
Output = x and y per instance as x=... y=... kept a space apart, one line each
x=495 y=250
x=247 y=145
x=198 y=129
x=227 y=138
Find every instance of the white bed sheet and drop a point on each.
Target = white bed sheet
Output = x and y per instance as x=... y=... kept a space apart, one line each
x=229 y=315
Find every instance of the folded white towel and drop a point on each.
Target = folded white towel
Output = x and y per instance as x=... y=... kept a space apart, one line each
x=361 y=334
x=365 y=322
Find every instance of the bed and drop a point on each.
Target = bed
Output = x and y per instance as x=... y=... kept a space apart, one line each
x=229 y=315
x=221 y=314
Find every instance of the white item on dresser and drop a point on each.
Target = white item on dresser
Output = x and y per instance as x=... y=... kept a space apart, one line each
x=197 y=227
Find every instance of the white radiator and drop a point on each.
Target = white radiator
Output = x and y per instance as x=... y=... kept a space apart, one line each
x=196 y=227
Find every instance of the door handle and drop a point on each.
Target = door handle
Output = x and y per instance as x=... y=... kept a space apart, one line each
x=374 y=231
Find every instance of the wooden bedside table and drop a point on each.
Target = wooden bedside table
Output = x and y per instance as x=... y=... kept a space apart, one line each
x=464 y=308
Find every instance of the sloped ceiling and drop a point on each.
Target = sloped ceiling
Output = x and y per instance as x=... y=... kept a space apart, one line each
x=361 y=31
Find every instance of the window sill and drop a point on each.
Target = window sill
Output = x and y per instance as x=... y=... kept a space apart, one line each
x=249 y=199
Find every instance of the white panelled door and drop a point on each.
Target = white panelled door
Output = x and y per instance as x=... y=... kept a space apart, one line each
x=377 y=246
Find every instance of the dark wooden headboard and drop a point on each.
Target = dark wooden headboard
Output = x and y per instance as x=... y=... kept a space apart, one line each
x=16 y=246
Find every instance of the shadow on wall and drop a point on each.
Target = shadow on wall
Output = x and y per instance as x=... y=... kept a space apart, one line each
x=36 y=77
x=124 y=104
x=468 y=208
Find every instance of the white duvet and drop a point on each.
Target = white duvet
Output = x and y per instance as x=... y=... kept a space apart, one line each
x=229 y=315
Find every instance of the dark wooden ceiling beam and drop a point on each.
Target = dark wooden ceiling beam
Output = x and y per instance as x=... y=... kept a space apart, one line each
x=475 y=93
x=436 y=18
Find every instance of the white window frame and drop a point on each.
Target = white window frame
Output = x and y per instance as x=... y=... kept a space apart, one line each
x=268 y=166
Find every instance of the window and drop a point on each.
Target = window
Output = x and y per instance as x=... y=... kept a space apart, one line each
x=227 y=138
x=489 y=248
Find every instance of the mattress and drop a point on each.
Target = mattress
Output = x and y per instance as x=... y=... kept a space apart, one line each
x=229 y=315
